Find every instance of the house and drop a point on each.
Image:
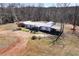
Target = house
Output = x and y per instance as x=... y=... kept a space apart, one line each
x=47 y=27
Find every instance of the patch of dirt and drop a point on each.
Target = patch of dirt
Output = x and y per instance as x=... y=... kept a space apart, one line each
x=16 y=47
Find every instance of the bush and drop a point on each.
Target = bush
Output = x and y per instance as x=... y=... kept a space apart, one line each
x=33 y=37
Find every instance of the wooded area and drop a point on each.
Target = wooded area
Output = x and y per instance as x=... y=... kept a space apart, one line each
x=11 y=12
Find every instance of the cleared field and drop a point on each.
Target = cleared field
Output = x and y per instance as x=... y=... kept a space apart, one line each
x=6 y=39
x=68 y=44
x=9 y=26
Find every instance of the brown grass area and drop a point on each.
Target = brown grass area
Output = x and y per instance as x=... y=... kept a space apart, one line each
x=9 y=26
x=15 y=41
x=6 y=38
x=67 y=45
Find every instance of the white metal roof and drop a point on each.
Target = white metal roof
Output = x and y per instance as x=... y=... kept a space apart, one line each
x=56 y=26
x=38 y=24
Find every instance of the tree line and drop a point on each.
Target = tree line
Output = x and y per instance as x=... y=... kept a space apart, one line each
x=12 y=12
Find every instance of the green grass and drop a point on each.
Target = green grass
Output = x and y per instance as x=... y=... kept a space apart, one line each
x=25 y=30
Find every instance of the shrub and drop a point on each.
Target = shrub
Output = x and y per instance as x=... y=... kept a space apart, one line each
x=33 y=37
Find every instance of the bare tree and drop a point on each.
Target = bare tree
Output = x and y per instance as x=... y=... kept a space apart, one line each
x=75 y=18
x=12 y=6
x=62 y=19
x=39 y=11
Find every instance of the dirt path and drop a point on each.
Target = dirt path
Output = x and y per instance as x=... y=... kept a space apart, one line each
x=16 y=47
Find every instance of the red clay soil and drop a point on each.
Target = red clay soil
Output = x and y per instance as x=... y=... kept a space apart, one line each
x=16 y=47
